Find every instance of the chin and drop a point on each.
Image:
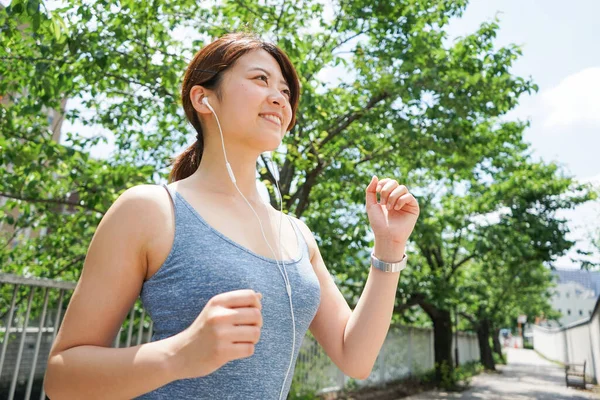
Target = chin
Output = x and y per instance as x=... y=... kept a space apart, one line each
x=265 y=140
x=273 y=146
x=270 y=142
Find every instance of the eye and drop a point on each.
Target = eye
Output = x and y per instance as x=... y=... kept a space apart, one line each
x=286 y=91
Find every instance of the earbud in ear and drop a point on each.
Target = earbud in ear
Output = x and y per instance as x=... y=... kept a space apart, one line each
x=205 y=100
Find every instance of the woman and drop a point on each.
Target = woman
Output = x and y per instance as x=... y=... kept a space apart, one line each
x=231 y=290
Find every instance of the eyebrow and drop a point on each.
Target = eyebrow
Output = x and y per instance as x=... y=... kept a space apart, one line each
x=268 y=74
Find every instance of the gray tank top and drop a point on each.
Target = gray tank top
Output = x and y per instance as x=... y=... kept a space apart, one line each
x=203 y=263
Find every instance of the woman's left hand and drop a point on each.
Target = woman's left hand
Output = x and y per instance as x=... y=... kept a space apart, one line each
x=394 y=217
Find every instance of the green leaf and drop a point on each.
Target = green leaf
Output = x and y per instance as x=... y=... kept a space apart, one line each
x=36 y=21
x=33 y=7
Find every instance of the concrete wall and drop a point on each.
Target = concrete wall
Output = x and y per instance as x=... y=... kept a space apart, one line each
x=573 y=343
x=579 y=348
x=594 y=326
x=550 y=343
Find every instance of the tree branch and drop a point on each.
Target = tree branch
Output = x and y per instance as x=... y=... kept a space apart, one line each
x=271 y=178
x=457 y=241
x=15 y=233
x=287 y=175
x=269 y=175
x=276 y=30
x=37 y=59
x=430 y=309
x=438 y=257
x=373 y=156
x=345 y=121
x=412 y=301
x=463 y=261
x=253 y=12
x=427 y=254
x=49 y=201
x=470 y=318
x=338 y=19
x=158 y=90
x=305 y=190
x=336 y=23
x=502 y=296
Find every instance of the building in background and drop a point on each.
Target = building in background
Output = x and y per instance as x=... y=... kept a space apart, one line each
x=575 y=294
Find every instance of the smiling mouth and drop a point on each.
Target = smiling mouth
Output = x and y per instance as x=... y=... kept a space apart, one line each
x=274 y=120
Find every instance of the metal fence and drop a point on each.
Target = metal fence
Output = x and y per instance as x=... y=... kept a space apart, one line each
x=31 y=320
x=35 y=311
x=25 y=348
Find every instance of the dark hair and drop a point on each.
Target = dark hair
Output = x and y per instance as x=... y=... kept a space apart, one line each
x=206 y=69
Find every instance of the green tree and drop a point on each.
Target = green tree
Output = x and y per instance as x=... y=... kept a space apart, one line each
x=412 y=107
x=484 y=240
x=516 y=278
x=496 y=296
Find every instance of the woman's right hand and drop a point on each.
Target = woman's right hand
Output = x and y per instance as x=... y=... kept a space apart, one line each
x=227 y=329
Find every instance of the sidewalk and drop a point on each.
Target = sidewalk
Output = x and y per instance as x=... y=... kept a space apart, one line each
x=526 y=376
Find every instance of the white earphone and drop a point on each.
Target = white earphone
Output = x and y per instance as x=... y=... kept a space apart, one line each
x=282 y=267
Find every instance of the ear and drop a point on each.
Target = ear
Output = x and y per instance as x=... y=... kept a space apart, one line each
x=197 y=92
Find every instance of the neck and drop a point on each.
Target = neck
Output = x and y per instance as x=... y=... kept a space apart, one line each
x=213 y=175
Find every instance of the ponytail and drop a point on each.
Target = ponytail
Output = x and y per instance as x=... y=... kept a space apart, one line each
x=187 y=162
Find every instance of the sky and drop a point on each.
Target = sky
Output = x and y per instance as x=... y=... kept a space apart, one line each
x=560 y=42
x=561 y=52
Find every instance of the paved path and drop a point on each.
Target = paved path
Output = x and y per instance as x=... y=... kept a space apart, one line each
x=526 y=376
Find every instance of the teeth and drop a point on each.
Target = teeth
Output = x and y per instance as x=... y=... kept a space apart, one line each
x=272 y=118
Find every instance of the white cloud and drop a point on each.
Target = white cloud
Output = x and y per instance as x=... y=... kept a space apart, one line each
x=575 y=99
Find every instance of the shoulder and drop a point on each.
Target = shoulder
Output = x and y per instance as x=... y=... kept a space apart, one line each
x=141 y=210
x=308 y=235
x=141 y=199
x=142 y=192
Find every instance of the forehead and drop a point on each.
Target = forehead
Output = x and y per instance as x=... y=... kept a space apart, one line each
x=259 y=59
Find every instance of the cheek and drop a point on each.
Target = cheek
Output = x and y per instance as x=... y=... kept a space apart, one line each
x=247 y=95
x=239 y=103
x=245 y=91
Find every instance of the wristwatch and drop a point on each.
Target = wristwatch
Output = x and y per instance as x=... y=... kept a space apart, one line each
x=388 y=267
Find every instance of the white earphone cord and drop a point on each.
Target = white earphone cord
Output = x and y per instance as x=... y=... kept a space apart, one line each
x=282 y=270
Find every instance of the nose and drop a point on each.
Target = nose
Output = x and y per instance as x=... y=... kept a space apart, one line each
x=278 y=98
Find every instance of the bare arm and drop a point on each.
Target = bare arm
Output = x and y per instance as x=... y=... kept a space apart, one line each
x=353 y=338
x=95 y=372
x=82 y=363
x=369 y=323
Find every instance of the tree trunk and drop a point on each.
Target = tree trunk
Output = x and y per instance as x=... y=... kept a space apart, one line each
x=497 y=345
x=442 y=344
x=485 y=351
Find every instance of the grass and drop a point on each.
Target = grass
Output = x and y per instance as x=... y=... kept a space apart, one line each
x=409 y=386
x=561 y=364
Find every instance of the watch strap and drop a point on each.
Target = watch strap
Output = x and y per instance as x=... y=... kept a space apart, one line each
x=387 y=266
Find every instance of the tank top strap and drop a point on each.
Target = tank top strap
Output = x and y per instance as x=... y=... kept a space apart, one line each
x=173 y=199
x=170 y=191
x=301 y=239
